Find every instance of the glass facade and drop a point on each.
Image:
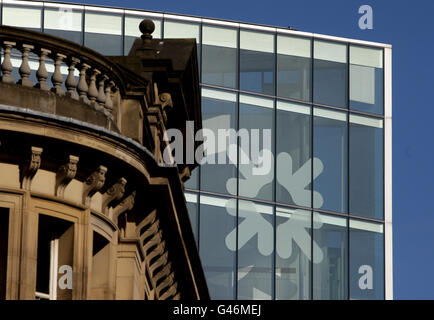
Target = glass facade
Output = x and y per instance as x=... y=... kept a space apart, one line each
x=314 y=225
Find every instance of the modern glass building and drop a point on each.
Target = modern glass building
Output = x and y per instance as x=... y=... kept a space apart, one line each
x=318 y=225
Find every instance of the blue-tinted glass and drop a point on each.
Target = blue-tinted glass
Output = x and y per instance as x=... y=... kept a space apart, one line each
x=293 y=254
x=193 y=182
x=366 y=167
x=366 y=261
x=330 y=74
x=219 y=114
x=294 y=165
x=64 y=23
x=103 y=33
x=192 y=207
x=330 y=166
x=366 y=79
x=330 y=268
x=218 y=248
x=255 y=250
x=219 y=56
x=110 y=45
x=257 y=62
x=256 y=146
x=294 y=68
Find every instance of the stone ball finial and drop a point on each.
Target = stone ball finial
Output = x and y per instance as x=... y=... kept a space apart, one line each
x=146 y=28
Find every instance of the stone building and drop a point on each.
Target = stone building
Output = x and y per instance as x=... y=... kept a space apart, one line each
x=88 y=209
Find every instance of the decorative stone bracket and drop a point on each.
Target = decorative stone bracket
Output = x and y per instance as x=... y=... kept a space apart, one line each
x=93 y=184
x=65 y=174
x=29 y=168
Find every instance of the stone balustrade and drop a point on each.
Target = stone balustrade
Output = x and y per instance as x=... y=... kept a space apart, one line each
x=91 y=77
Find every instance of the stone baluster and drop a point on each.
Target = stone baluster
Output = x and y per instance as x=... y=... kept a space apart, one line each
x=25 y=70
x=57 y=78
x=7 y=64
x=93 y=91
x=82 y=87
x=101 y=92
x=108 y=96
x=42 y=73
x=70 y=83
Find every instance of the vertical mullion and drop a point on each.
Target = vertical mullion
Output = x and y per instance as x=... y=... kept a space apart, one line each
x=311 y=167
x=238 y=171
x=273 y=265
x=348 y=172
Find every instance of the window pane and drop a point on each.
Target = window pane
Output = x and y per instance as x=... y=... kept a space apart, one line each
x=64 y=23
x=366 y=260
x=293 y=154
x=132 y=31
x=294 y=68
x=257 y=62
x=192 y=203
x=183 y=29
x=103 y=33
x=366 y=79
x=219 y=56
x=217 y=249
x=330 y=73
x=366 y=167
x=330 y=149
x=256 y=144
x=255 y=250
x=193 y=182
x=28 y=17
x=293 y=259
x=219 y=113
x=330 y=269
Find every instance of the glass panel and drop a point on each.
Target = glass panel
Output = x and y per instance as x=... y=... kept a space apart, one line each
x=366 y=260
x=293 y=259
x=257 y=62
x=219 y=113
x=366 y=167
x=192 y=203
x=64 y=23
x=193 y=182
x=103 y=32
x=366 y=79
x=255 y=250
x=217 y=249
x=294 y=68
x=183 y=29
x=132 y=31
x=330 y=74
x=330 y=269
x=219 y=56
x=294 y=168
x=330 y=151
x=256 y=144
x=23 y=16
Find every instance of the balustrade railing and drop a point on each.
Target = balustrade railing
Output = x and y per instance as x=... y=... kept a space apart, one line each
x=91 y=77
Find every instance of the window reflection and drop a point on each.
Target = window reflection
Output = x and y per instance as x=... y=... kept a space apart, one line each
x=366 y=167
x=219 y=56
x=330 y=73
x=217 y=252
x=65 y=23
x=293 y=258
x=330 y=270
x=330 y=147
x=366 y=79
x=219 y=113
x=256 y=116
x=294 y=169
x=255 y=250
x=103 y=32
x=366 y=260
x=257 y=62
x=192 y=206
x=294 y=68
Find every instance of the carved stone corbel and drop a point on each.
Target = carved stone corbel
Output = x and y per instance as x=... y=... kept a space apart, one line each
x=30 y=167
x=113 y=194
x=93 y=184
x=126 y=205
x=65 y=174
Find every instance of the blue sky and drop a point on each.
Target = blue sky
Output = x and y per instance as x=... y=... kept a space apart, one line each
x=409 y=27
